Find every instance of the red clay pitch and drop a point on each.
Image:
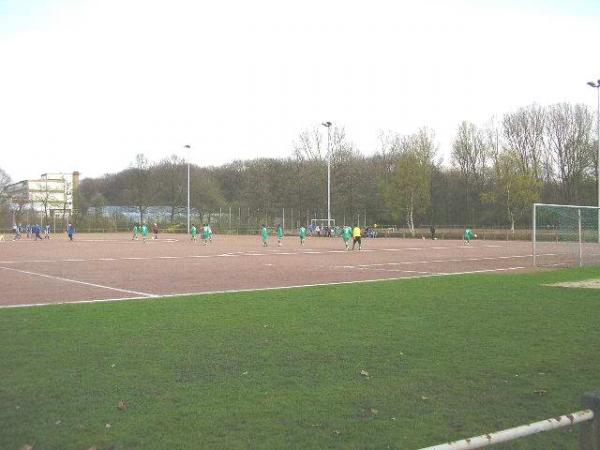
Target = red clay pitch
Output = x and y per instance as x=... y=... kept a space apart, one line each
x=112 y=266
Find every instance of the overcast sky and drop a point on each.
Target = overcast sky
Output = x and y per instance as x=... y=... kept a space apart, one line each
x=87 y=84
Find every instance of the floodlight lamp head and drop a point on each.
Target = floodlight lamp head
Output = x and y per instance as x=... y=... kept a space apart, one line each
x=187 y=146
x=326 y=124
x=592 y=84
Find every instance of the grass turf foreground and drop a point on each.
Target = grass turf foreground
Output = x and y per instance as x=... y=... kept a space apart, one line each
x=446 y=358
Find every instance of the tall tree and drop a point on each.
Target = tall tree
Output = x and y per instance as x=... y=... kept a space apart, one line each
x=409 y=192
x=470 y=153
x=523 y=132
x=514 y=190
x=171 y=177
x=139 y=185
x=570 y=143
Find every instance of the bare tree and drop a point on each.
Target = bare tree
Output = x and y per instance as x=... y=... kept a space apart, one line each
x=570 y=143
x=139 y=185
x=171 y=174
x=524 y=134
x=309 y=145
x=470 y=153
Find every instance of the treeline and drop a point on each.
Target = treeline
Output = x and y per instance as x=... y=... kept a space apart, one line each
x=495 y=172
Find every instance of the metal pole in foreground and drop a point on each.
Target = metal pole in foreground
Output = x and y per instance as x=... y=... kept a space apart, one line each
x=328 y=126
x=188 y=188
x=596 y=85
x=534 y=226
x=485 y=440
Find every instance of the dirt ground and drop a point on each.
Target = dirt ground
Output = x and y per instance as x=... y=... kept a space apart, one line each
x=97 y=267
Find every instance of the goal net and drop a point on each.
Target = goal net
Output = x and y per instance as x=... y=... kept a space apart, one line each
x=322 y=222
x=565 y=235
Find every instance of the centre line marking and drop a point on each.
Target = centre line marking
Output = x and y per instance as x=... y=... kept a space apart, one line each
x=69 y=280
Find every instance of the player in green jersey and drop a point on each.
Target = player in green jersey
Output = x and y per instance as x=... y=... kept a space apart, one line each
x=302 y=234
x=346 y=236
x=468 y=235
x=144 y=232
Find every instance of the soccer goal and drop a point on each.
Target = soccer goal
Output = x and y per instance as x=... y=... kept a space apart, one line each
x=565 y=235
x=322 y=222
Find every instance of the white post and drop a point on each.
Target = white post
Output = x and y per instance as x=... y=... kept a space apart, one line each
x=328 y=178
x=534 y=234
x=188 y=187
x=596 y=85
x=598 y=168
x=510 y=434
x=579 y=230
x=283 y=218
x=328 y=126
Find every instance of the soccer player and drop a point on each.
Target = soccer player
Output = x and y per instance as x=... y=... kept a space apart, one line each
x=210 y=233
x=264 y=235
x=70 y=231
x=279 y=234
x=194 y=231
x=144 y=232
x=468 y=235
x=36 y=230
x=356 y=237
x=205 y=233
x=155 y=230
x=346 y=235
x=135 y=232
x=47 y=232
x=302 y=235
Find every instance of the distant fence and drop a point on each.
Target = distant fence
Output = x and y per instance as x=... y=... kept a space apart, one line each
x=590 y=429
x=240 y=220
x=447 y=232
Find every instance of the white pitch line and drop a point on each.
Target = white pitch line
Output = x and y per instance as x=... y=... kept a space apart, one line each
x=254 y=253
x=443 y=274
x=435 y=261
x=69 y=280
x=236 y=291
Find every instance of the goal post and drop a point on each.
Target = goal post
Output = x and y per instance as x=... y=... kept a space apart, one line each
x=323 y=222
x=565 y=235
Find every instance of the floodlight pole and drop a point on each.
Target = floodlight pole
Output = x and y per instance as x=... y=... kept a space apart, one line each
x=328 y=126
x=596 y=85
x=188 y=186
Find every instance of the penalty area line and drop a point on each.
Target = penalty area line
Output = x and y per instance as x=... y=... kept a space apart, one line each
x=273 y=288
x=70 y=280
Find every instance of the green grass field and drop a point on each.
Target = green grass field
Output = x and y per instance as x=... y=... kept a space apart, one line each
x=447 y=358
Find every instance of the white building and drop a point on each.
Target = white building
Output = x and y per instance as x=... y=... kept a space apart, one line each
x=51 y=192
